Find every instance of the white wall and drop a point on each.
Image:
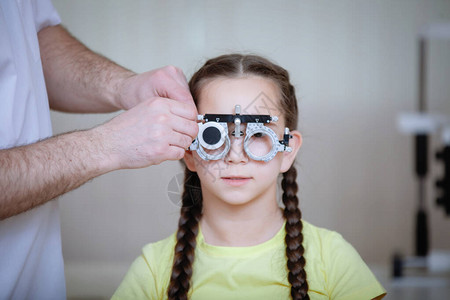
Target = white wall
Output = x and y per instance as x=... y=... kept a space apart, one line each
x=354 y=64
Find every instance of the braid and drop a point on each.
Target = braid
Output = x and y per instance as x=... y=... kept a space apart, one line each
x=294 y=237
x=191 y=212
x=236 y=66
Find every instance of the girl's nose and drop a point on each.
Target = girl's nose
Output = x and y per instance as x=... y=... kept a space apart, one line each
x=236 y=154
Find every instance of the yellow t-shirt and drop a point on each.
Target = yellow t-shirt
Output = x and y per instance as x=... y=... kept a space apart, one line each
x=334 y=270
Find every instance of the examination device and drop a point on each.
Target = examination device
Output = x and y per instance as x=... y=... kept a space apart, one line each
x=260 y=142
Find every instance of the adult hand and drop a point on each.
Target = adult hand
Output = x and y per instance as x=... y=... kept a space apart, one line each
x=151 y=132
x=168 y=82
x=160 y=123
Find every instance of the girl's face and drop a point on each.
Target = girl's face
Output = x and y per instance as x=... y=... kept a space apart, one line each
x=236 y=179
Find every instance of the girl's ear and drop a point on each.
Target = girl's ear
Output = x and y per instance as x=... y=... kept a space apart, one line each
x=288 y=157
x=190 y=161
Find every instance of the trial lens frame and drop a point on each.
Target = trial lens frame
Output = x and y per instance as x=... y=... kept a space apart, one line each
x=213 y=133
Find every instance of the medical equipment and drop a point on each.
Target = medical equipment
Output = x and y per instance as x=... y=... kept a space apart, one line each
x=260 y=142
x=422 y=124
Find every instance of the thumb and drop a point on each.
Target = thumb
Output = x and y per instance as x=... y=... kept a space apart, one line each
x=175 y=86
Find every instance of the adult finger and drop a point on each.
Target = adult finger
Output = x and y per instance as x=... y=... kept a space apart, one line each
x=185 y=127
x=181 y=78
x=175 y=153
x=183 y=110
x=180 y=140
x=173 y=85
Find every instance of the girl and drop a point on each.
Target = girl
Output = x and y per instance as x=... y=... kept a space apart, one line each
x=233 y=239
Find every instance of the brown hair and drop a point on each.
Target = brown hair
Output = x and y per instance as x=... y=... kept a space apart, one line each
x=235 y=66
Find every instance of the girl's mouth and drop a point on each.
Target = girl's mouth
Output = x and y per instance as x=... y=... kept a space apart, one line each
x=236 y=181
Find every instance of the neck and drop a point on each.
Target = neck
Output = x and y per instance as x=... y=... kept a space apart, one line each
x=241 y=225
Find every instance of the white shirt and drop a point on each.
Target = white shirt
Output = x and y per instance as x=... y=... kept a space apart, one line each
x=31 y=263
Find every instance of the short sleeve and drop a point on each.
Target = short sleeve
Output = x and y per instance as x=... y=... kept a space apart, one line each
x=44 y=14
x=148 y=276
x=138 y=283
x=348 y=276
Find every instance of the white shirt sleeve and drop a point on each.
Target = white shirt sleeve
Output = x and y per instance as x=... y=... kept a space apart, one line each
x=44 y=14
x=31 y=262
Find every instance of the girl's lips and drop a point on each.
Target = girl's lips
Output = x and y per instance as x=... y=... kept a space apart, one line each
x=236 y=181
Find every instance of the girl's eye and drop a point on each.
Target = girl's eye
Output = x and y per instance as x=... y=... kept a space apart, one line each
x=258 y=134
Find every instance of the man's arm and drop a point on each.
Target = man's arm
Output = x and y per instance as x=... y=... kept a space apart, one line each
x=147 y=134
x=31 y=175
x=159 y=125
x=79 y=80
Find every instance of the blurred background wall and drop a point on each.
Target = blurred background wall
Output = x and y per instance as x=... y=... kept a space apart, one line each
x=354 y=65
